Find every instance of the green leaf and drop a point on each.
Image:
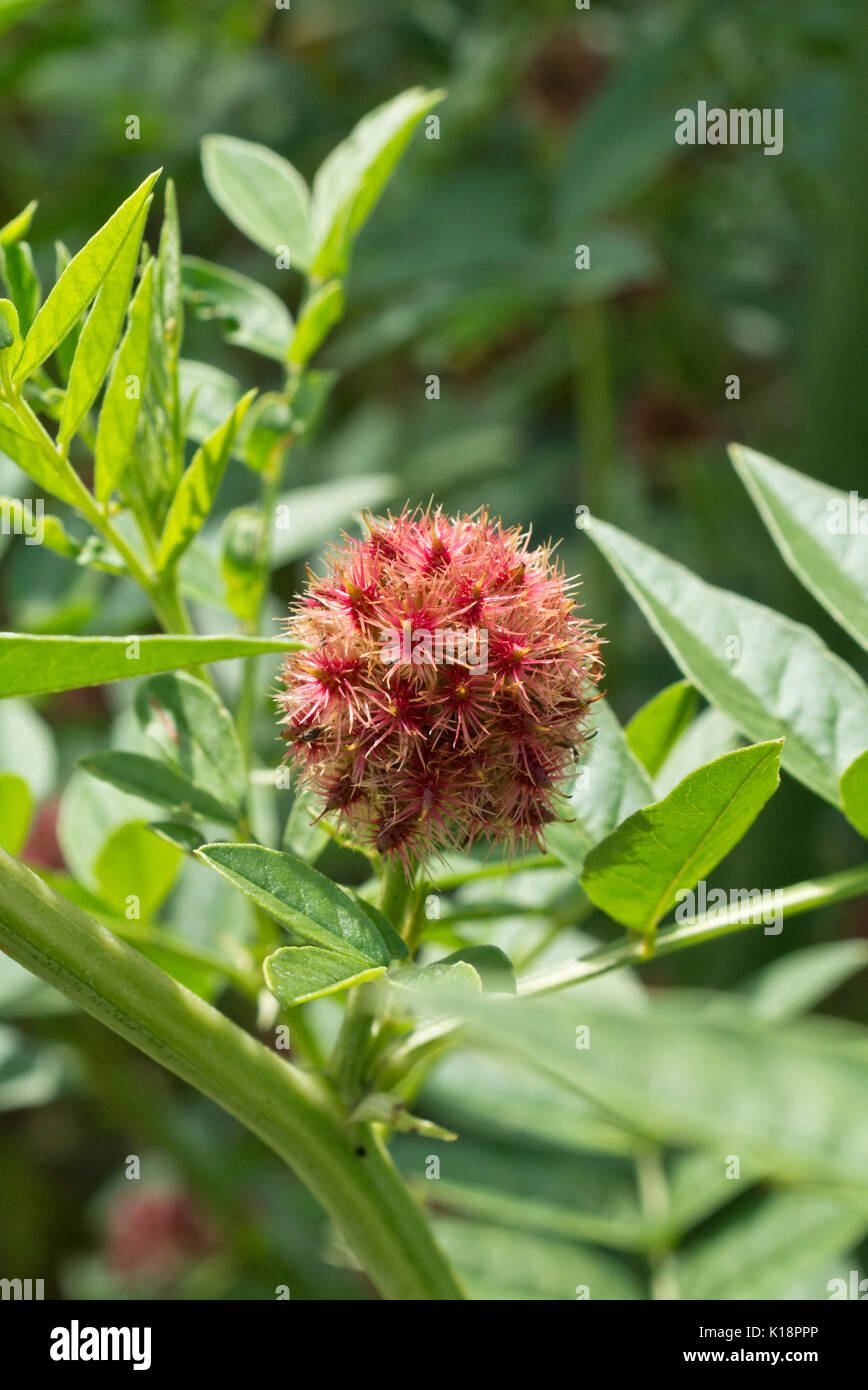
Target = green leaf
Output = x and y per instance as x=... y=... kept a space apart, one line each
x=351 y=179
x=20 y=443
x=794 y=983
x=307 y=517
x=295 y=974
x=786 y=1236
x=22 y=282
x=79 y=282
x=492 y=965
x=101 y=332
x=316 y=320
x=198 y=487
x=300 y=898
x=497 y=1264
x=154 y=781
x=248 y=314
x=195 y=735
x=19 y=226
x=689 y=1076
x=208 y=395
x=16 y=808
x=773 y=677
x=184 y=837
x=637 y=872
x=655 y=729
x=27 y=747
x=169 y=278
x=19 y=520
x=9 y=325
x=854 y=793
x=609 y=786
x=261 y=193
x=302 y=836
x=822 y=534
x=394 y=942
x=710 y=735
x=116 y=430
x=36 y=665
x=29 y=1075
x=105 y=841
x=242 y=556
x=134 y=863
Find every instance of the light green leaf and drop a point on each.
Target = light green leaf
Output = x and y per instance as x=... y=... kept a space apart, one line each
x=822 y=534
x=208 y=395
x=19 y=226
x=773 y=677
x=352 y=177
x=16 y=808
x=792 y=984
x=20 y=443
x=169 y=279
x=315 y=321
x=248 y=314
x=295 y=974
x=307 y=517
x=101 y=332
x=10 y=328
x=195 y=735
x=22 y=282
x=783 y=1238
x=501 y=1265
x=854 y=793
x=29 y=1075
x=155 y=782
x=637 y=872
x=116 y=430
x=492 y=965
x=198 y=487
x=261 y=193
x=27 y=747
x=607 y=787
x=105 y=841
x=183 y=837
x=790 y=1097
x=35 y=665
x=300 y=898
x=711 y=734
x=79 y=282
x=19 y=520
x=302 y=836
x=134 y=863
x=655 y=729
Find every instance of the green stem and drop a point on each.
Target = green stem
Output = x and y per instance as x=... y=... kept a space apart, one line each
x=432 y=1038
x=295 y=1113
x=630 y=950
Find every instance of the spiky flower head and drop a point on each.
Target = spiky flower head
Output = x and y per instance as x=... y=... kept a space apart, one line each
x=444 y=688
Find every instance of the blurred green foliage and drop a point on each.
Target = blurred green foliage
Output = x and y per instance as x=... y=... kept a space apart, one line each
x=558 y=388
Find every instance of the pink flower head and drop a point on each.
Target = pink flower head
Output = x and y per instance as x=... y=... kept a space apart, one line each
x=445 y=685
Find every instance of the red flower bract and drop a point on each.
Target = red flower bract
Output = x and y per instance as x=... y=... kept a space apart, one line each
x=445 y=685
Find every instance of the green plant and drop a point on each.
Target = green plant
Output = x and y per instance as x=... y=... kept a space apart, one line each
x=652 y=810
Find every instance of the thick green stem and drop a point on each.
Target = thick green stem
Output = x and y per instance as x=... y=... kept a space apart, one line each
x=295 y=1113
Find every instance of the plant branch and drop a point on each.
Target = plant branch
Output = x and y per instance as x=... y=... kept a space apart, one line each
x=295 y=1113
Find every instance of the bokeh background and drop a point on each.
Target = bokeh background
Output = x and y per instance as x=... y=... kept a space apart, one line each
x=558 y=388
